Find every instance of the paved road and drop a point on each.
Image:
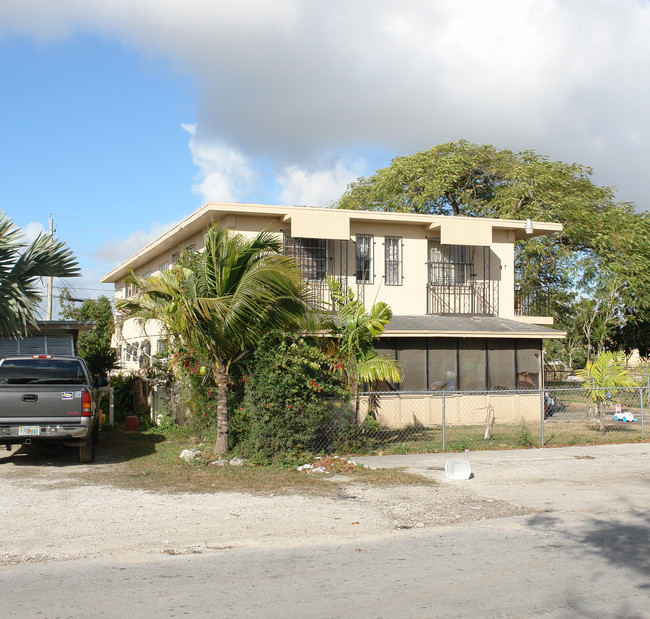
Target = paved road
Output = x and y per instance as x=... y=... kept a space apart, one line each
x=534 y=568
x=586 y=553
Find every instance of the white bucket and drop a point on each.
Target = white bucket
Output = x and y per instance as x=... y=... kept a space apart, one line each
x=458 y=469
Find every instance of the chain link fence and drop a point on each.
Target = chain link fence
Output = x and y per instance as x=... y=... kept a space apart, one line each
x=421 y=422
x=407 y=422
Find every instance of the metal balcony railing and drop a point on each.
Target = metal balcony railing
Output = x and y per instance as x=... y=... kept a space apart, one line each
x=470 y=298
x=536 y=302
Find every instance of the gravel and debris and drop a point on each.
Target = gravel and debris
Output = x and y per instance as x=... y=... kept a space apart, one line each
x=331 y=464
x=53 y=513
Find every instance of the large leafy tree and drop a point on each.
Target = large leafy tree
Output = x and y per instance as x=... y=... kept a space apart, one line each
x=221 y=300
x=94 y=346
x=602 y=239
x=22 y=268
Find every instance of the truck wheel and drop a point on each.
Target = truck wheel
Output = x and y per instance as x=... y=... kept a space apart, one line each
x=87 y=452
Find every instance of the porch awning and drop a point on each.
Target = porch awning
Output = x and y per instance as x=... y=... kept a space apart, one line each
x=443 y=325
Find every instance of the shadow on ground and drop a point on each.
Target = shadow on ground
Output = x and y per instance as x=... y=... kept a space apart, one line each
x=112 y=448
x=622 y=543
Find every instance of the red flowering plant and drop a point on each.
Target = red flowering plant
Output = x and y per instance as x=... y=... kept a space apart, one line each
x=197 y=387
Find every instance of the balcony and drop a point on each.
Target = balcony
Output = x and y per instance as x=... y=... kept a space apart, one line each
x=535 y=302
x=470 y=298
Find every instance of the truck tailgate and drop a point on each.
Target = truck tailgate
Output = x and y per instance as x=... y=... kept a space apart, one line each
x=41 y=402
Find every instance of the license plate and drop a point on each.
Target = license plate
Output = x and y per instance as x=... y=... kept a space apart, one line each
x=29 y=430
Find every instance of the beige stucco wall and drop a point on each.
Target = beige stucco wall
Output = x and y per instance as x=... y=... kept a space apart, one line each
x=403 y=410
x=409 y=298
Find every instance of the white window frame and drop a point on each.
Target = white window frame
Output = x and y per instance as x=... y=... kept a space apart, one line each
x=393 y=271
x=364 y=262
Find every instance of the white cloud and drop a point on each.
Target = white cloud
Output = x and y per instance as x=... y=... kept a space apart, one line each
x=316 y=187
x=290 y=80
x=31 y=231
x=225 y=174
x=114 y=251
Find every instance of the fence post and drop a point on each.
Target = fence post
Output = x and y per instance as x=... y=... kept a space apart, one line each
x=541 y=422
x=444 y=404
x=642 y=411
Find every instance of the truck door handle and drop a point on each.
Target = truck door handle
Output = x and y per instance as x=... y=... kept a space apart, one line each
x=30 y=397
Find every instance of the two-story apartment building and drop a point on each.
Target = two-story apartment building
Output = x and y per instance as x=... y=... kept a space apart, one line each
x=458 y=324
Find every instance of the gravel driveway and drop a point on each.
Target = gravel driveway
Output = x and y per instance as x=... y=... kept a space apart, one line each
x=51 y=511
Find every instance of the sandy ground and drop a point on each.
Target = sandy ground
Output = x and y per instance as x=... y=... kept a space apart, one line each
x=50 y=513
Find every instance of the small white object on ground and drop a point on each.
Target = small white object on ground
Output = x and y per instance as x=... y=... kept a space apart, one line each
x=189 y=455
x=458 y=469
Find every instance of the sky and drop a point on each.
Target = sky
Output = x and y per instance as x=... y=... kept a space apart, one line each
x=122 y=117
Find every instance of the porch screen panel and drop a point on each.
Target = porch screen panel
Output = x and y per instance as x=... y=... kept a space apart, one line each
x=412 y=356
x=501 y=364
x=529 y=355
x=443 y=370
x=386 y=348
x=472 y=368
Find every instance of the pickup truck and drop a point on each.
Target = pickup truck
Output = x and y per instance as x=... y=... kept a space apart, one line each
x=48 y=398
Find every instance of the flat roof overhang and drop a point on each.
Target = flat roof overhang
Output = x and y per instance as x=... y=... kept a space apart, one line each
x=213 y=212
x=441 y=325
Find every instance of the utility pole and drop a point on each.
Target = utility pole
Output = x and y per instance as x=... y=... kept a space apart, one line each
x=50 y=280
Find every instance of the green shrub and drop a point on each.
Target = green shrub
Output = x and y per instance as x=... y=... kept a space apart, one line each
x=122 y=395
x=524 y=437
x=293 y=402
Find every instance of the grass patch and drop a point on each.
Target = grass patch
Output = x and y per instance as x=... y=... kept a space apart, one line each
x=503 y=436
x=149 y=460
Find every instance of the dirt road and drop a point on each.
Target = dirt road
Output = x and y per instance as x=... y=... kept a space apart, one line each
x=52 y=510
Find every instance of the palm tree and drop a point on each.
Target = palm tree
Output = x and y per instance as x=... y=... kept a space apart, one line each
x=604 y=378
x=221 y=300
x=21 y=267
x=355 y=330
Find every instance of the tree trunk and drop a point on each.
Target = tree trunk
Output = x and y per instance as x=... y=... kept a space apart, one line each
x=222 y=379
x=601 y=416
x=354 y=389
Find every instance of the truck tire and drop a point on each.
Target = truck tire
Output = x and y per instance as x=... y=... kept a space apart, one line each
x=87 y=452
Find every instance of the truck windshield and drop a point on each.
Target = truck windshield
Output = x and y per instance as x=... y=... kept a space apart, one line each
x=41 y=372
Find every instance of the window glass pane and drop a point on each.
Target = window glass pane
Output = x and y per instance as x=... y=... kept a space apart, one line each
x=41 y=372
x=393 y=266
x=311 y=255
x=448 y=264
x=472 y=370
x=528 y=361
x=442 y=364
x=501 y=364
x=364 y=258
x=412 y=356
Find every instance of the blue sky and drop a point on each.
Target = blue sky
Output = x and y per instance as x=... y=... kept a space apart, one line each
x=93 y=137
x=120 y=118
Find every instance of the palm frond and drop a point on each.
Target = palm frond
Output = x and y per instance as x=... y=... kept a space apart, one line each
x=21 y=269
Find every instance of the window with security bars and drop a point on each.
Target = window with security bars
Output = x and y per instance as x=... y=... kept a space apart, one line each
x=363 y=255
x=393 y=261
x=448 y=264
x=310 y=254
